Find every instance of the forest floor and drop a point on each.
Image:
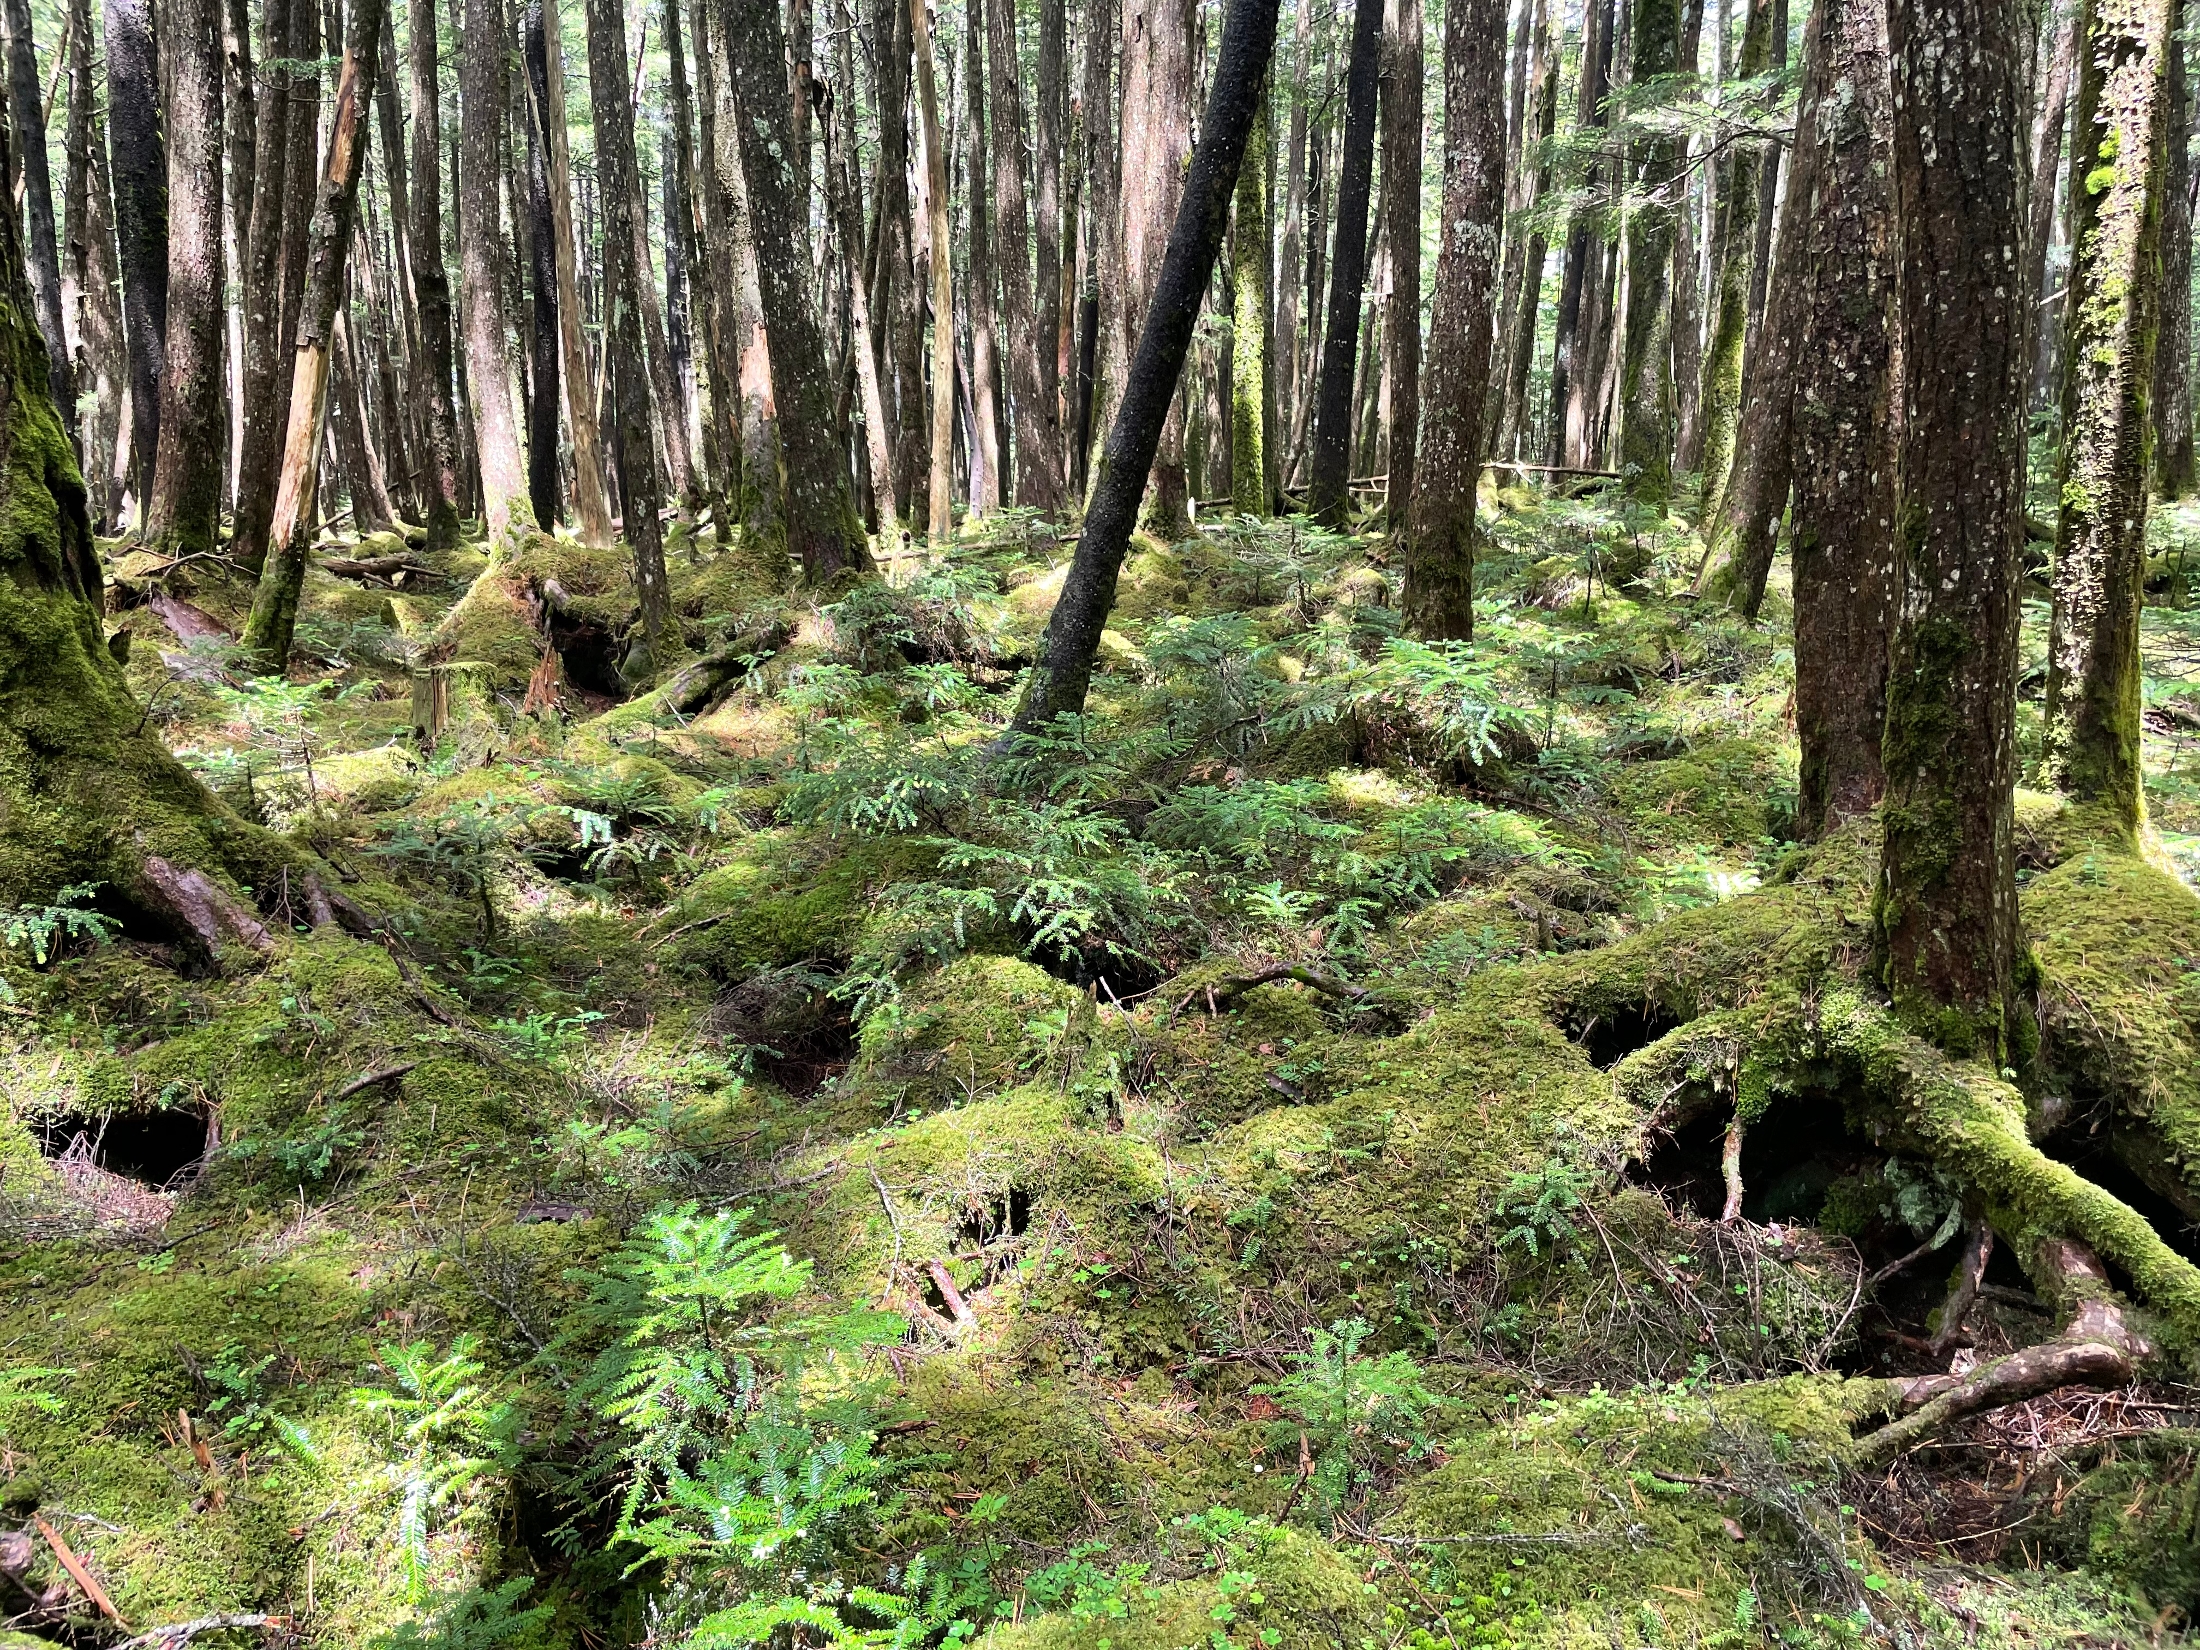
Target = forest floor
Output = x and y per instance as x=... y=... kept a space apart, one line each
x=1383 y=1303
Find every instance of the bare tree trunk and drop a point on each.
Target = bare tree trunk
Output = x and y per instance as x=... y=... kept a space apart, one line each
x=896 y=295
x=1646 y=362
x=1046 y=207
x=1569 y=352
x=1401 y=98
x=440 y=468
x=1157 y=83
x=1327 y=496
x=365 y=480
x=758 y=410
x=1525 y=295
x=1687 y=285
x=824 y=532
x=482 y=63
x=715 y=277
x=1733 y=261
x=1439 y=593
x=259 y=450
x=1252 y=282
x=1291 y=255
x=267 y=633
x=843 y=176
x=545 y=343
x=1037 y=444
x=1946 y=910
x=940 y=521
x=1103 y=231
x=2047 y=181
x=663 y=379
x=88 y=225
x=27 y=114
x=1063 y=670
x=685 y=274
x=985 y=492
x=2092 y=733
x=2174 y=466
x=139 y=161
x=189 y=472
x=591 y=509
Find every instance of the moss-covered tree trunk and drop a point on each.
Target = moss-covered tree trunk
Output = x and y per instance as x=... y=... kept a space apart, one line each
x=26 y=108
x=1646 y=359
x=1401 y=383
x=1252 y=281
x=1439 y=593
x=1733 y=247
x=2116 y=166
x=2174 y=468
x=1843 y=514
x=1946 y=905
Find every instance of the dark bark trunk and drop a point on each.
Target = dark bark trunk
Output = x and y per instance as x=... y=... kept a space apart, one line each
x=1946 y=908
x=1063 y=669
x=27 y=113
x=1844 y=512
x=1768 y=196
x=1401 y=98
x=265 y=361
x=1158 y=84
x=2092 y=734
x=616 y=168
x=1583 y=247
x=139 y=165
x=482 y=88
x=1646 y=362
x=1327 y=497
x=845 y=175
x=365 y=479
x=1439 y=594
x=663 y=381
x=1525 y=301
x=939 y=481
x=1047 y=218
x=439 y=462
x=687 y=280
x=824 y=532
x=88 y=216
x=1037 y=430
x=895 y=296
x=986 y=490
x=2173 y=453
x=1687 y=285
x=715 y=279
x=546 y=395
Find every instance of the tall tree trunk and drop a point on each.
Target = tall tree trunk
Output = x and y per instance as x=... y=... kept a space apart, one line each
x=1291 y=253
x=1646 y=363
x=616 y=169
x=2047 y=181
x=27 y=113
x=1252 y=297
x=986 y=490
x=843 y=173
x=714 y=269
x=758 y=413
x=189 y=472
x=1844 y=512
x=685 y=276
x=1047 y=217
x=1768 y=194
x=1401 y=97
x=1328 y=496
x=482 y=291
x=1439 y=593
x=1733 y=258
x=2173 y=453
x=440 y=469
x=1687 y=284
x=545 y=394
x=1946 y=909
x=1037 y=424
x=265 y=360
x=824 y=532
x=365 y=479
x=2092 y=733
x=88 y=224
x=1063 y=670
x=591 y=509
x=1524 y=301
x=896 y=297
x=940 y=518
x=138 y=161
x=1158 y=86
x=1103 y=229
x=1583 y=250
x=267 y=633
x=663 y=380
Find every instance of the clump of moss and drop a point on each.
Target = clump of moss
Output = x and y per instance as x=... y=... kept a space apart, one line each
x=966 y=1031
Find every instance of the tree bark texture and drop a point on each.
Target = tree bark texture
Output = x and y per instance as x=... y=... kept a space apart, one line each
x=1047 y=220
x=1252 y=283
x=940 y=508
x=2092 y=731
x=1523 y=288
x=89 y=279
x=1156 y=137
x=1733 y=259
x=2174 y=468
x=2047 y=168
x=1328 y=495
x=1646 y=363
x=481 y=252
x=1946 y=907
x=1583 y=247
x=1063 y=670
x=138 y=163
x=545 y=393
x=1439 y=593
x=431 y=286
x=1401 y=111
x=987 y=489
x=591 y=508
x=27 y=113
x=1035 y=420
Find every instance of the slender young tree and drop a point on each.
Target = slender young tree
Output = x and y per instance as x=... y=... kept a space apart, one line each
x=1439 y=593
x=2174 y=468
x=1646 y=362
x=1291 y=249
x=1583 y=248
x=1401 y=100
x=482 y=280
x=1524 y=288
x=267 y=633
x=843 y=173
x=545 y=393
x=1844 y=472
x=940 y=509
x=138 y=162
x=986 y=490
x=1946 y=905
x=90 y=306
x=1103 y=282
x=1037 y=445
x=431 y=285
x=1048 y=219
x=1328 y=496
x=27 y=111
x=1063 y=670
x=2092 y=733
x=2047 y=174
x=1252 y=284
x=824 y=532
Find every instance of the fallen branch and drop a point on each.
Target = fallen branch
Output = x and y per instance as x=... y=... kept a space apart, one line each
x=77 y=1572
x=950 y=1294
x=382 y=569
x=698 y=684
x=1221 y=992
x=372 y=1079
x=183 y=1632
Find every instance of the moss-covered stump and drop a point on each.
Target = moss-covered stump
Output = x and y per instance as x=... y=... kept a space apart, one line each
x=456 y=704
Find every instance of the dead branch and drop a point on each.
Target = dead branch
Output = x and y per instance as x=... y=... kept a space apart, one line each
x=372 y=1079
x=1224 y=991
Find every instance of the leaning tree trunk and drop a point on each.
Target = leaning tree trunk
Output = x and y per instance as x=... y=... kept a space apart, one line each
x=1037 y=424
x=188 y=474
x=431 y=286
x=1401 y=100
x=2174 y=467
x=1062 y=672
x=26 y=109
x=1252 y=282
x=267 y=634
x=88 y=223
x=1439 y=593
x=1646 y=358
x=482 y=266
x=1328 y=495
x=2092 y=729
x=1946 y=908
x=615 y=172
x=824 y=532
x=1844 y=511
x=138 y=165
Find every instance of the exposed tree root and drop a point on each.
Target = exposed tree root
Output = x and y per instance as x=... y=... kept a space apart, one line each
x=1219 y=994
x=1730 y=1167
x=1970 y=1274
